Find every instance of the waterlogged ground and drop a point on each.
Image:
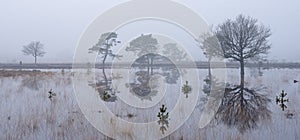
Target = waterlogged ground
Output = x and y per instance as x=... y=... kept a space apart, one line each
x=26 y=112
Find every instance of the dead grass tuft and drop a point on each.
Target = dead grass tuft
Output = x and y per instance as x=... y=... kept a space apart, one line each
x=16 y=73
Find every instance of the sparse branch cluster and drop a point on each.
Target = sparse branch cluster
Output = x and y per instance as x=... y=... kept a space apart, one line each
x=36 y=49
x=239 y=40
x=243 y=111
x=243 y=38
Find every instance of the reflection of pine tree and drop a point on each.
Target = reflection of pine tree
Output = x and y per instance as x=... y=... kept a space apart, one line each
x=105 y=89
x=281 y=100
x=207 y=86
x=186 y=89
x=163 y=116
x=164 y=125
x=146 y=82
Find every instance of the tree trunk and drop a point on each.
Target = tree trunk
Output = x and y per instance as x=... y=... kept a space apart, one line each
x=151 y=65
x=148 y=66
x=103 y=62
x=105 y=79
x=209 y=70
x=242 y=73
x=35 y=59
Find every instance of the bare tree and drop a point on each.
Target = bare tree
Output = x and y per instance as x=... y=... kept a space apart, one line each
x=35 y=49
x=243 y=39
x=240 y=40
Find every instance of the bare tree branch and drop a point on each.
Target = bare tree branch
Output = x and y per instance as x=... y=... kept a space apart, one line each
x=36 y=49
x=243 y=38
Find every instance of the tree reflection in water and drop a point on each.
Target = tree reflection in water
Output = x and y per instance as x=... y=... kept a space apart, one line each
x=104 y=87
x=243 y=107
x=240 y=107
x=33 y=82
x=163 y=121
x=145 y=72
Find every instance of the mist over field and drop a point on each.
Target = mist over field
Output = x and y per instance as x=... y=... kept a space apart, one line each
x=156 y=69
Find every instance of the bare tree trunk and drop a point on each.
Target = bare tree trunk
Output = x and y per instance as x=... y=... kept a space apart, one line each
x=242 y=73
x=35 y=59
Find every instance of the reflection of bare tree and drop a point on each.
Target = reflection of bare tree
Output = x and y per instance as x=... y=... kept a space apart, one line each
x=240 y=107
x=33 y=82
x=256 y=72
x=240 y=40
x=104 y=87
x=243 y=108
x=260 y=64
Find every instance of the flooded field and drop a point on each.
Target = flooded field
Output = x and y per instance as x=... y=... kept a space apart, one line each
x=28 y=112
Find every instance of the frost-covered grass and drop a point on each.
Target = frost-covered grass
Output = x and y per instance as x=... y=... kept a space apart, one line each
x=27 y=113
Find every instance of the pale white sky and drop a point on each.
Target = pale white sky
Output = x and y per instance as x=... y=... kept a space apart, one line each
x=59 y=24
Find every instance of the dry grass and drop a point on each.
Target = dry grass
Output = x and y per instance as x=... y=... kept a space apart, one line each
x=27 y=113
x=15 y=73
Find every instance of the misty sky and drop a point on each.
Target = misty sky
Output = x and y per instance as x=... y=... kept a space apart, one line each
x=59 y=24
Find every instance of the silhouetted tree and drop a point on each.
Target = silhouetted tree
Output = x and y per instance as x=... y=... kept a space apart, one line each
x=104 y=46
x=174 y=53
x=144 y=44
x=242 y=39
x=35 y=49
x=211 y=48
